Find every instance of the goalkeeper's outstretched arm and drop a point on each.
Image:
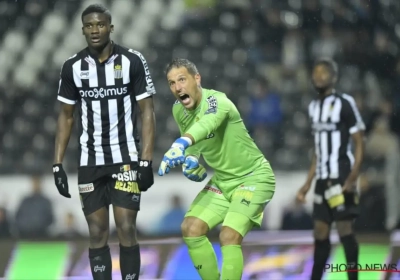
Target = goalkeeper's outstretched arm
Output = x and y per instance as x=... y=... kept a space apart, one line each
x=211 y=120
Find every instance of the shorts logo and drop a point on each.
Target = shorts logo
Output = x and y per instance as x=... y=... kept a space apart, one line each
x=244 y=194
x=118 y=71
x=213 y=189
x=85 y=188
x=130 y=187
x=245 y=202
x=247 y=188
x=334 y=196
x=125 y=176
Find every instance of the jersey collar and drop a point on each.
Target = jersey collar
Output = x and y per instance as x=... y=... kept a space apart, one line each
x=111 y=58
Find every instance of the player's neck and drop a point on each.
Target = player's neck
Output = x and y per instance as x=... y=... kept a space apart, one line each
x=103 y=53
x=199 y=98
x=326 y=93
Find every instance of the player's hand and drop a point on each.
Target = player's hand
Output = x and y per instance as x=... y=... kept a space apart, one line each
x=174 y=157
x=301 y=194
x=61 y=180
x=349 y=186
x=145 y=176
x=193 y=170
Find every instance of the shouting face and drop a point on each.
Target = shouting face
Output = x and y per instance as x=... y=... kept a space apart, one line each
x=185 y=87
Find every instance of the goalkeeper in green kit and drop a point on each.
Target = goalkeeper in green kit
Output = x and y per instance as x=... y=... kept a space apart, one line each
x=243 y=181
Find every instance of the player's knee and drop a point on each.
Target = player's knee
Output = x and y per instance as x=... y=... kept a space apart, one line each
x=193 y=227
x=126 y=228
x=98 y=233
x=344 y=228
x=321 y=230
x=229 y=236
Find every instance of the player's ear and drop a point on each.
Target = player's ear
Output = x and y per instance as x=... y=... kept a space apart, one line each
x=197 y=77
x=112 y=28
x=83 y=33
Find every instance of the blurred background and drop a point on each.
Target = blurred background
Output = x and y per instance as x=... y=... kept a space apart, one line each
x=259 y=52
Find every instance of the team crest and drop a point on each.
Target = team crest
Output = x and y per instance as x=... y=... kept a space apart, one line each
x=118 y=71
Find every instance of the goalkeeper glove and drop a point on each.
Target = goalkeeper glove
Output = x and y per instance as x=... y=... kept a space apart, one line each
x=175 y=155
x=193 y=170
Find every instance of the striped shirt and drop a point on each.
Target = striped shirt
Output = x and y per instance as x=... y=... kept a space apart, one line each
x=107 y=94
x=334 y=119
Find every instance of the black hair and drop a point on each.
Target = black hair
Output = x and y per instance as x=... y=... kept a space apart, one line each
x=263 y=81
x=96 y=8
x=330 y=64
x=182 y=62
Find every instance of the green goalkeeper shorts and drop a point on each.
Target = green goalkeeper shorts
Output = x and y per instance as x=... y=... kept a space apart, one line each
x=238 y=203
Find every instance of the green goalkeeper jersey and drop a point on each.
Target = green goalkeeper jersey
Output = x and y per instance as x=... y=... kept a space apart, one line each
x=220 y=136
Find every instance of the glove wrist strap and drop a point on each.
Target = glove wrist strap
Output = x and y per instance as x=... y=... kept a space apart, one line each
x=57 y=167
x=145 y=163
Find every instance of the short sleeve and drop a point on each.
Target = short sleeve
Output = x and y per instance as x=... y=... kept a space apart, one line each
x=351 y=115
x=67 y=91
x=311 y=110
x=143 y=86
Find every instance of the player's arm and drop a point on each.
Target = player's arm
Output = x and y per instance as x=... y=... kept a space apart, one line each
x=64 y=128
x=210 y=121
x=356 y=127
x=311 y=172
x=68 y=95
x=148 y=127
x=143 y=89
x=191 y=167
x=192 y=150
x=301 y=194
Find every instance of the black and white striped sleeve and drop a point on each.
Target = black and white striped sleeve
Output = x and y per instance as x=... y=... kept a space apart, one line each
x=67 y=91
x=143 y=86
x=351 y=115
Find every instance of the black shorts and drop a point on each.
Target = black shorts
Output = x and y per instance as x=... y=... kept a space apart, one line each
x=101 y=186
x=330 y=204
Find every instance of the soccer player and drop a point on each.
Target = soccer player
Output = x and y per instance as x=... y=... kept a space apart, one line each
x=335 y=122
x=109 y=83
x=243 y=182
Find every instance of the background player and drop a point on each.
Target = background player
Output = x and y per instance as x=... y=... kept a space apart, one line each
x=335 y=121
x=243 y=182
x=107 y=81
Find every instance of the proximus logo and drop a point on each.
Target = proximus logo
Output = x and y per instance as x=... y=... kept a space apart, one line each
x=103 y=92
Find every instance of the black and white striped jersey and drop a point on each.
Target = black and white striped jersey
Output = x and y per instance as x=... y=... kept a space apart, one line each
x=334 y=119
x=107 y=95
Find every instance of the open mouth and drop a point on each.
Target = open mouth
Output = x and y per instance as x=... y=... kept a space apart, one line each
x=184 y=97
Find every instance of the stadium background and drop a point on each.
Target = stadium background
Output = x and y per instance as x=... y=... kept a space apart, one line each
x=259 y=52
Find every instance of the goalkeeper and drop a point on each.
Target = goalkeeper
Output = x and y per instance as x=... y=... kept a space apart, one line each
x=243 y=181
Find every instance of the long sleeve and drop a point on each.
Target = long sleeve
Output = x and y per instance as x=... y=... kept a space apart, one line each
x=217 y=113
